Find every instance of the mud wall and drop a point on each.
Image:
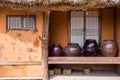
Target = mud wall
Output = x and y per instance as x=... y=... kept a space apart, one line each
x=107 y=24
x=59 y=28
x=20 y=45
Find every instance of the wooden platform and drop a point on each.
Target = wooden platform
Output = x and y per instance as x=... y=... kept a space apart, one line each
x=84 y=60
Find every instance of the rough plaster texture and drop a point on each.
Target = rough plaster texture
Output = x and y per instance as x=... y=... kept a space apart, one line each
x=20 y=45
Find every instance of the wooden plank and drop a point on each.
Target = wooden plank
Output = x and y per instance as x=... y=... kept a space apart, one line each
x=45 y=45
x=84 y=60
x=19 y=78
x=16 y=63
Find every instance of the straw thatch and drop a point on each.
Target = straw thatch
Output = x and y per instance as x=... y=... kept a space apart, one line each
x=59 y=4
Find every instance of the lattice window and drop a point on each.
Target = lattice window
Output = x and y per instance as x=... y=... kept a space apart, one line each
x=21 y=22
x=92 y=25
x=29 y=22
x=14 y=22
x=84 y=26
x=77 y=27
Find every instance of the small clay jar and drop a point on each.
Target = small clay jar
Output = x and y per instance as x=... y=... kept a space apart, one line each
x=90 y=47
x=72 y=49
x=109 y=48
x=56 y=50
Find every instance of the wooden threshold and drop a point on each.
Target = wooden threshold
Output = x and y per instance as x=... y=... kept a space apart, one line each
x=20 y=78
x=17 y=63
x=83 y=60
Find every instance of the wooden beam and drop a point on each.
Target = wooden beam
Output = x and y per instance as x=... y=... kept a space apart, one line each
x=17 y=63
x=45 y=45
x=84 y=60
x=20 y=78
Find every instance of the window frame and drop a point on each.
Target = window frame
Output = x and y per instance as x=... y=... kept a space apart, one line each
x=22 y=22
x=84 y=16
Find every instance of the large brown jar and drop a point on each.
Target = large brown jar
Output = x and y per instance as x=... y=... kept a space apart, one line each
x=72 y=49
x=56 y=50
x=109 y=48
x=90 y=47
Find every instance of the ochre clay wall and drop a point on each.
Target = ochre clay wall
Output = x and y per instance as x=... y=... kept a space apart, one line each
x=107 y=31
x=59 y=28
x=20 y=45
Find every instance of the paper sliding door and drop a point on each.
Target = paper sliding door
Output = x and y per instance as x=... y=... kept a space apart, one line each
x=77 y=27
x=84 y=25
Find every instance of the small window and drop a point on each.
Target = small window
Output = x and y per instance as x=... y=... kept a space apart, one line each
x=21 y=22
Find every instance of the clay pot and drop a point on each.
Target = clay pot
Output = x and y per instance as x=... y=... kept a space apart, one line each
x=56 y=50
x=109 y=48
x=72 y=49
x=90 y=47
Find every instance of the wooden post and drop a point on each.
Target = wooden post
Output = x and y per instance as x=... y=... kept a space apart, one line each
x=45 y=46
x=84 y=33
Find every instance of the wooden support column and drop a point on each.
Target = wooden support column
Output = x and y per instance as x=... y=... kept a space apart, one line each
x=84 y=25
x=117 y=35
x=45 y=46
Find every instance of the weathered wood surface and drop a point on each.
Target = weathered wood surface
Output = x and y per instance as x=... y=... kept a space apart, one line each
x=20 y=78
x=84 y=60
x=45 y=45
x=16 y=63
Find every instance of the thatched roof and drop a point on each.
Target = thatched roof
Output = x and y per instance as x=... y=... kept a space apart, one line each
x=59 y=4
